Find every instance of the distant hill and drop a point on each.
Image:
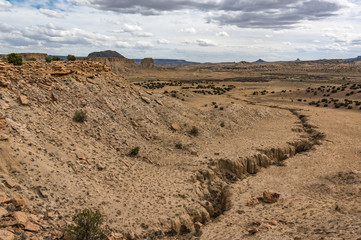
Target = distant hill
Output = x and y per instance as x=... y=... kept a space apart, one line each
x=354 y=59
x=168 y=62
x=260 y=61
x=107 y=53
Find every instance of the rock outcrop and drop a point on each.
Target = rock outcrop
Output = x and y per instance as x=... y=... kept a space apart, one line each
x=27 y=56
x=107 y=54
x=147 y=63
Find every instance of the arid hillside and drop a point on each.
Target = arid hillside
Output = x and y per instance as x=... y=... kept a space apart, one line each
x=169 y=165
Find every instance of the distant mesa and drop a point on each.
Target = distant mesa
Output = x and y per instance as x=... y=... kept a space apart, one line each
x=355 y=59
x=107 y=53
x=260 y=61
x=147 y=63
x=298 y=60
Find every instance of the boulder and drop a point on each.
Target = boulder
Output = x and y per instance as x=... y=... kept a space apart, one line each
x=175 y=126
x=270 y=196
x=6 y=235
x=23 y=100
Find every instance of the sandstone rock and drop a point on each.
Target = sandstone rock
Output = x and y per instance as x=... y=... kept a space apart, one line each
x=48 y=215
x=252 y=230
x=18 y=201
x=252 y=202
x=270 y=196
x=159 y=102
x=21 y=218
x=9 y=183
x=80 y=156
x=100 y=166
x=145 y=99
x=3 y=83
x=175 y=126
x=3 y=212
x=6 y=235
x=32 y=227
x=198 y=228
x=23 y=100
x=54 y=97
x=147 y=63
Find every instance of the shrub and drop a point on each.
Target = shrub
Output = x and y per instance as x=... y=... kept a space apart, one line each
x=221 y=108
x=31 y=59
x=88 y=225
x=71 y=57
x=47 y=59
x=222 y=124
x=179 y=145
x=4 y=59
x=15 y=59
x=56 y=58
x=134 y=151
x=80 y=116
x=194 y=131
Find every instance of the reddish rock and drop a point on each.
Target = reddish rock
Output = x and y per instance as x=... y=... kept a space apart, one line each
x=23 y=100
x=3 y=212
x=6 y=235
x=175 y=127
x=270 y=196
x=159 y=102
x=18 y=201
x=252 y=202
x=32 y=227
x=10 y=184
x=80 y=156
x=100 y=166
x=21 y=218
x=145 y=99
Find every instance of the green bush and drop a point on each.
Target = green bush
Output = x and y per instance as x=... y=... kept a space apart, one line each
x=194 y=131
x=88 y=225
x=48 y=59
x=56 y=58
x=4 y=59
x=80 y=116
x=71 y=57
x=15 y=59
x=134 y=151
x=179 y=145
x=222 y=124
x=31 y=59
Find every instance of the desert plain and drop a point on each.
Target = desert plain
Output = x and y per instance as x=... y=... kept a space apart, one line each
x=205 y=151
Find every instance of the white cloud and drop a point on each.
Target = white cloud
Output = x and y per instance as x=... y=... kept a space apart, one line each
x=51 y=13
x=122 y=44
x=142 y=44
x=5 y=5
x=131 y=28
x=189 y=30
x=205 y=42
x=163 y=41
x=222 y=34
x=6 y=28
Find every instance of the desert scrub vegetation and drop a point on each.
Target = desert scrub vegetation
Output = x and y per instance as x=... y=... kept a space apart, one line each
x=56 y=58
x=179 y=145
x=31 y=59
x=88 y=225
x=134 y=151
x=48 y=59
x=15 y=59
x=194 y=131
x=80 y=116
x=71 y=57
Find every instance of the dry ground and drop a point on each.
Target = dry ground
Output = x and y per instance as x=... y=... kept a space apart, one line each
x=180 y=180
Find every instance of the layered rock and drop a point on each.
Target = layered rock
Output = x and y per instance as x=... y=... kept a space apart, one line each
x=147 y=63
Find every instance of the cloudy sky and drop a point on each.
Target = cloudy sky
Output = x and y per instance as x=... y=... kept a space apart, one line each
x=195 y=30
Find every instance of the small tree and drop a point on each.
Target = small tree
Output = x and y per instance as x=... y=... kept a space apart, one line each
x=56 y=58
x=88 y=225
x=15 y=59
x=80 y=116
x=48 y=59
x=71 y=57
x=134 y=151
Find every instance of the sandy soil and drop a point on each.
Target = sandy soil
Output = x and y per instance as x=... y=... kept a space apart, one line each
x=181 y=185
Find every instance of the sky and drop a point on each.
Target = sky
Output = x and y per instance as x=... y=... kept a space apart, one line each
x=195 y=30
